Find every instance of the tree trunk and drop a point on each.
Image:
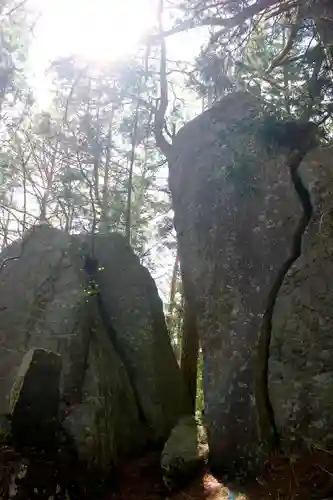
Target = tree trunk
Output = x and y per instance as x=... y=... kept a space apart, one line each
x=190 y=344
x=189 y=352
x=171 y=306
x=128 y=221
x=173 y=285
x=104 y=220
x=286 y=83
x=323 y=18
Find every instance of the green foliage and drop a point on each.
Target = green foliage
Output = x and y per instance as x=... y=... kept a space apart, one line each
x=299 y=84
x=288 y=134
x=92 y=288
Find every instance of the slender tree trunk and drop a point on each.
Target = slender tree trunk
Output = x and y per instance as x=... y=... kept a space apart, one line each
x=209 y=98
x=190 y=342
x=44 y=201
x=171 y=306
x=128 y=218
x=5 y=230
x=65 y=212
x=97 y=159
x=43 y=208
x=323 y=18
x=173 y=285
x=104 y=220
x=189 y=352
x=5 y=226
x=286 y=77
x=24 y=223
x=203 y=106
x=162 y=104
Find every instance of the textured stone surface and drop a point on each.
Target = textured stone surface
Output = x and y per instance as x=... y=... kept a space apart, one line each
x=184 y=453
x=105 y=424
x=133 y=311
x=235 y=214
x=301 y=360
x=44 y=304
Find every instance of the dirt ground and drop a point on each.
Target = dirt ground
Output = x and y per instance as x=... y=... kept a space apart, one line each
x=308 y=479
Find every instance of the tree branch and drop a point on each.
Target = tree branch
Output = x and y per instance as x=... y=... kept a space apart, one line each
x=162 y=104
x=230 y=22
x=282 y=56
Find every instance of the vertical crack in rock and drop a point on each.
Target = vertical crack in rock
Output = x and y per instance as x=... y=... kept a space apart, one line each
x=266 y=421
x=91 y=267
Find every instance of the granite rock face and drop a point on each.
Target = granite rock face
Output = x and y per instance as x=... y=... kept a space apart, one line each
x=301 y=361
x=132 y=310
x=185 y=453
x=239 y=217
x=43 y=305
x=236 y=211
x=119 y=385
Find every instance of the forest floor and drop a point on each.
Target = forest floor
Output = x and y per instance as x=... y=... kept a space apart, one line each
x=308 y=479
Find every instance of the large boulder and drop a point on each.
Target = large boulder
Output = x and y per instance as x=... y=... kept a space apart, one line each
x=44 y=304
x=301 y=361
x=236 y=211
x=185 y=453
x=133 y=312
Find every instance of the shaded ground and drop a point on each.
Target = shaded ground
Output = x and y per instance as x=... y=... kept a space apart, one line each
x=308 y=479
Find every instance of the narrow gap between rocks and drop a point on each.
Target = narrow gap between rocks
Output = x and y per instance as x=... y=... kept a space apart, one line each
x=266 y=420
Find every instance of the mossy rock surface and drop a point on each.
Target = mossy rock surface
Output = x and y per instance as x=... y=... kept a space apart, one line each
x=184 y=453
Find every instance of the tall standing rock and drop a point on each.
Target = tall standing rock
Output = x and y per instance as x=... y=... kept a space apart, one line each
x=236 y=211
x=131 y=307
x=301 y=360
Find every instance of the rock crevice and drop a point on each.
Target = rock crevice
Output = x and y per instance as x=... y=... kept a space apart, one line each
x=267 y=426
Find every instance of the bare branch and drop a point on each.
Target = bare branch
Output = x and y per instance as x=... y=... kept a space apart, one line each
x=162 y=105
x=230 y=22
x=282 y=56
x=14 y=8
x=4 y=262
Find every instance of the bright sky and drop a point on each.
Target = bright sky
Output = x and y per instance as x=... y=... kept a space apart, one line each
x=99 y=30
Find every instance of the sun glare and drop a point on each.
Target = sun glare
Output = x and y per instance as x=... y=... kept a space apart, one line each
x=99 y=30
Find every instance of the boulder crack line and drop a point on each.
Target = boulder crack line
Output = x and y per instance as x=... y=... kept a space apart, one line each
x=267 y=426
